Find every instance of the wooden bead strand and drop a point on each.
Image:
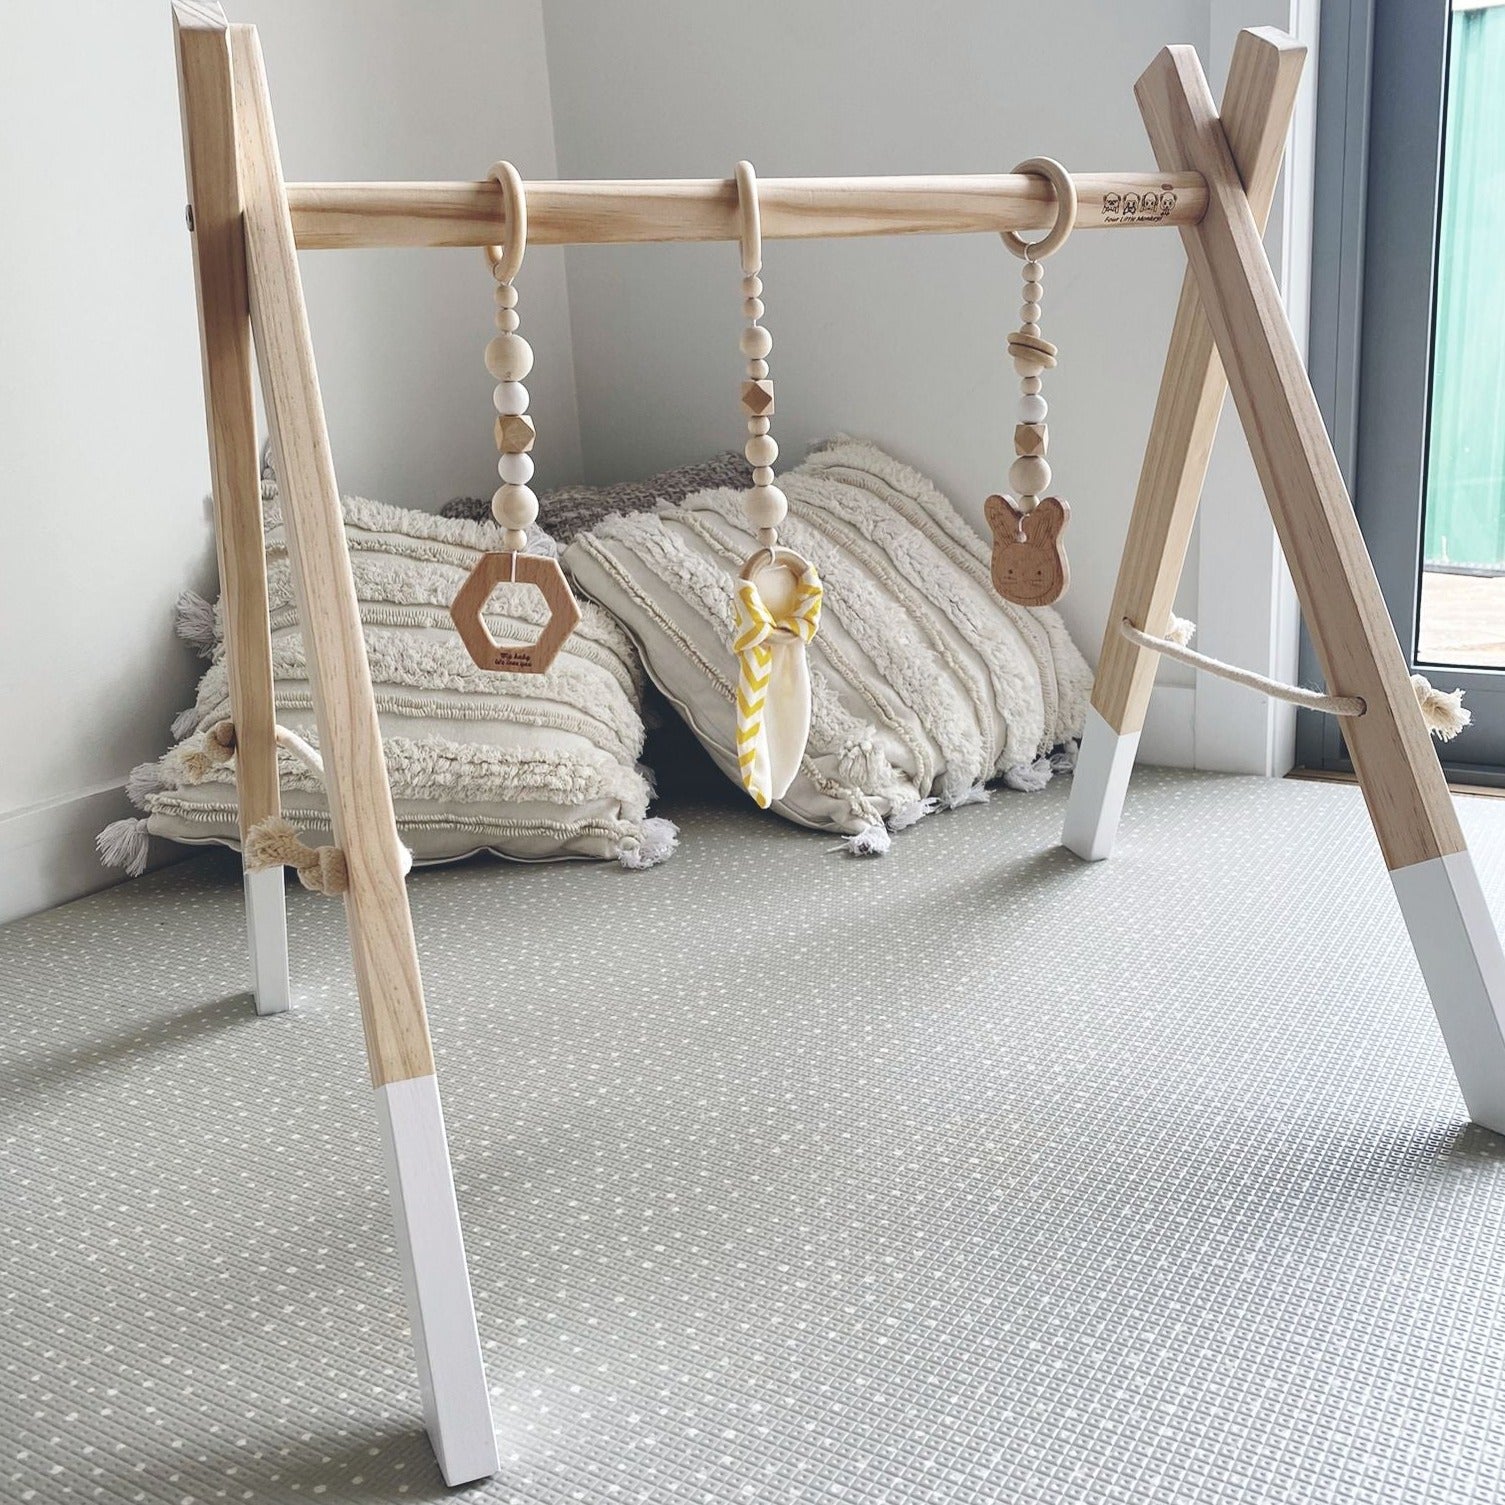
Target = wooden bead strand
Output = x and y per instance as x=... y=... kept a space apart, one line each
x=765 y=504
x=1029 y=562
x=509 y=358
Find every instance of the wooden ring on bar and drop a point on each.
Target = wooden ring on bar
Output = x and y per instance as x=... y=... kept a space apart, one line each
x=506 y=258
x=750 y=221
x=766 y=555
x=1060 y=180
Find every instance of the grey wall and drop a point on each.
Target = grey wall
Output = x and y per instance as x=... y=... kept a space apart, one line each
x=104 y=465
x=900 y=340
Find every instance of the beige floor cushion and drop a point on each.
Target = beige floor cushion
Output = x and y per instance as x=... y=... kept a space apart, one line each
x=532 y=767
x=926 y=685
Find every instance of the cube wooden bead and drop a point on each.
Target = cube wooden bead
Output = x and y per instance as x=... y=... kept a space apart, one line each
x=514 y=433
x=757 y=398
x=1031 y=438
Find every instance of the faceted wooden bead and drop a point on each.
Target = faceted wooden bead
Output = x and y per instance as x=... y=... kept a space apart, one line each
x=757 y=370
x=762 y=475
x=506 y=320
x=514 y=506
x=510 y=397
x=761 y=449
x=756 y=342
x=1029 y=475
x=752 y=308
x=1032 y=408
x=514 y=433
x=505 y=295
x=516 y=470
x=766 y=506
x=509 y=357
x=759 y=425
x=752 y=286
x=1031 y=438
x=757 y=398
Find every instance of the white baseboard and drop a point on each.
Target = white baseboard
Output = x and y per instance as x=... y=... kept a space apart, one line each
x=47 y=853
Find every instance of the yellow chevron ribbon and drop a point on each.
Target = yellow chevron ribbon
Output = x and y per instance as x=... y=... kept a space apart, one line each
x=752 y=642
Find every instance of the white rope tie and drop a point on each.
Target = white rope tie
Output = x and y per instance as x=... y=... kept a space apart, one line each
x=1174 y=647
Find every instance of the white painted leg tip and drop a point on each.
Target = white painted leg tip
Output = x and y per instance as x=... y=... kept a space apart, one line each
x=1098 y=786
x=266 y=933
x=1458 y=950
x=471 y=1470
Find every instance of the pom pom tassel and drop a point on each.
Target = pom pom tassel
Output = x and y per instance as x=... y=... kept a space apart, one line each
x=654 y=845
x=1442 y=710
x=124 y=843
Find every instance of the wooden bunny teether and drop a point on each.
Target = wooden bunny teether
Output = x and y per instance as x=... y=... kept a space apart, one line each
x=1029 y=564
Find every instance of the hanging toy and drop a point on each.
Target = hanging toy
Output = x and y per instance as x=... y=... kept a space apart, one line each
x=509 y=358
x=1029 y=560
x=778 y=590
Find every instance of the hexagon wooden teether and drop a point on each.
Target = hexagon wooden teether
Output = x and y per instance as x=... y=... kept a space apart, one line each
x=545 y=576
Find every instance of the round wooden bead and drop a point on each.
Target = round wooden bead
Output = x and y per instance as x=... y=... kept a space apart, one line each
x=752 y=287
x=1029 y=475
x=514 y=506
x=759 y=425
x=505 y=295
x=756 y=342
x=506 y=320
x=1028 y=367
x=1033 y=291
x=1032 y=408
x=1032 y=270
x=757 y=370
x=766 y=506
x=761 y=449
x=515 y=470
x=752 y=308
x=1030 y=385
x=510 y=397
x=515 y=539
x=1029 y=313
x=509 y=357
x=763 y=475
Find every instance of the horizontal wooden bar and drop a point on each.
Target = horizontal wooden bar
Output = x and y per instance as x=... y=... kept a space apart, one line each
x=338 y=216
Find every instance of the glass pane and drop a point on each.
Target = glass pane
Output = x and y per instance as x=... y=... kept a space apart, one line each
x=1463 y=553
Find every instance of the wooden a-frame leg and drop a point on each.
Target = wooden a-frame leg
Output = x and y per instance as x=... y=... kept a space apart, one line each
x=206 y=95
x=1263 y=78
x=1409 y=803
x=456 y=1401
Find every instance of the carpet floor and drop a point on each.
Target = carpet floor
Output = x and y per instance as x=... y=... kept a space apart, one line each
x=970 y=1174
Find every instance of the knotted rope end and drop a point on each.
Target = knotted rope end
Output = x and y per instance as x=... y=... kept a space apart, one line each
x=1443 y=710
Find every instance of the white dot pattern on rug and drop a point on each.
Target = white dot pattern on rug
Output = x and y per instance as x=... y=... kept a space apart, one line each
x=970 y=1174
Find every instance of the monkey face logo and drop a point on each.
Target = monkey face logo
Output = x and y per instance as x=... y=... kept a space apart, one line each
x=1113 y=203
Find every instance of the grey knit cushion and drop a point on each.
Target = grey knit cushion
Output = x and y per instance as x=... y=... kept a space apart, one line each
x=569 y=510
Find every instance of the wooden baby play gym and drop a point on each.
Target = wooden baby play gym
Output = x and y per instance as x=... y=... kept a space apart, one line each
x=1216 y=181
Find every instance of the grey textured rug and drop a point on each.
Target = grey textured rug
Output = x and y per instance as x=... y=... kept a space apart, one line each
x=970 y=1174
